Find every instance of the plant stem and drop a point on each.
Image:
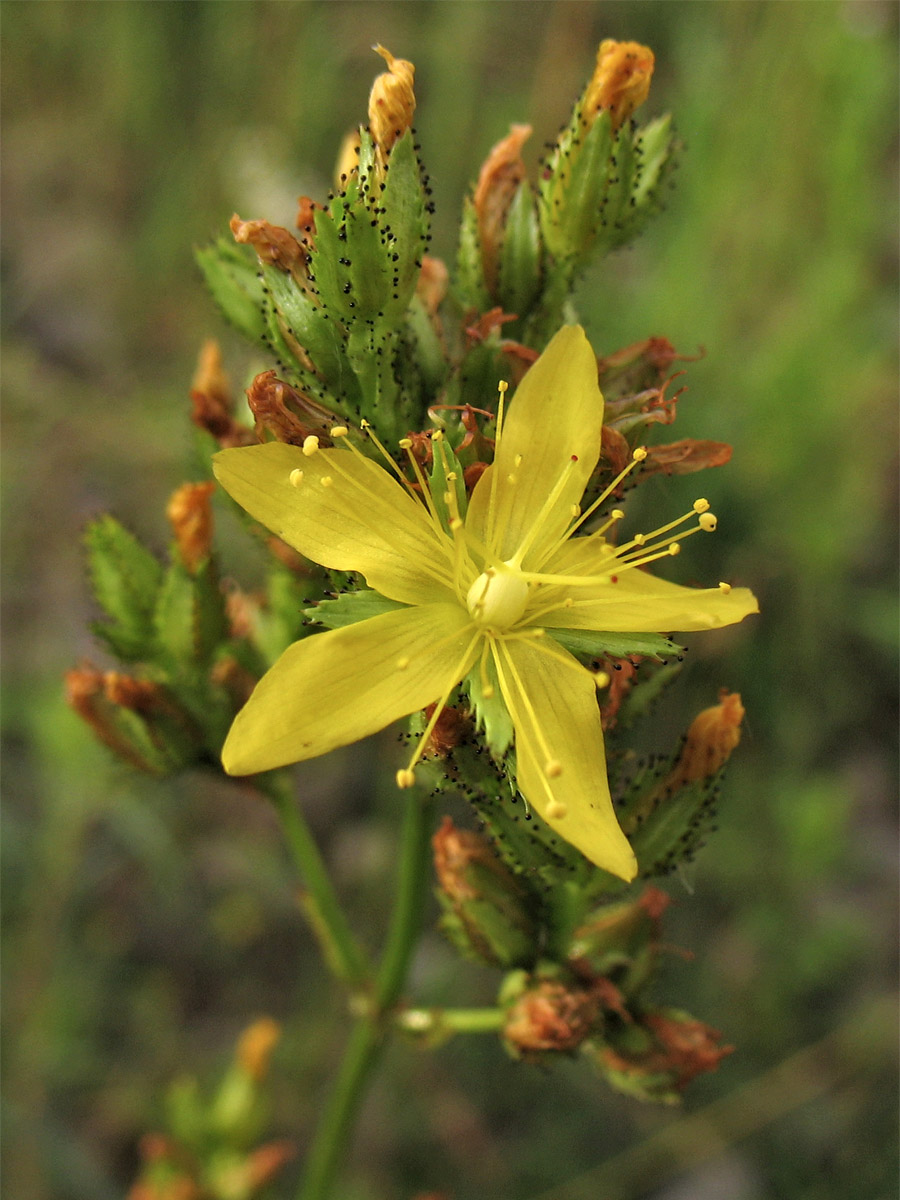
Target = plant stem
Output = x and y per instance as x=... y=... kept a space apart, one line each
x=369 y=1035
x=445 y=1021
x=341 y=949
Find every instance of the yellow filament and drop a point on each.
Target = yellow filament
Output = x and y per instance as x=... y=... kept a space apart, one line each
x=487 y=688
x=408 y=773
x=546 y=509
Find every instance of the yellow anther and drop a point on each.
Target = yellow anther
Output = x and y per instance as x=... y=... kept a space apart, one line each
x=405 y=443
x=447 y=498
x=639 y=454
x=708 y=522
x=339 y=431
x=405 y=777
x=364 y=424
x=488 y=692
x=438 y=435
x=673 y=548
x=402 y=663
x=553 y=768
x=456 y=522
x=327 y=481
x=701 y=505
x=617 y=514
x=575 y=510
x=556 y=811
x=639 y=539
x=296 y=477
x=310 y=445
x=601 y=679
x=724 y=588
x=517 y=461
x=502 y=387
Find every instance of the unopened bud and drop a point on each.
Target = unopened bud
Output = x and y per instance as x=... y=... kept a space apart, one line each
x=210 y=377
x=190 y=514
x=658 y=1057
x=620 y=83
x=392 y=101
x=712 y=736
x=500 y=177
x=347 y=160
x=255 y=1046
x=486 y=911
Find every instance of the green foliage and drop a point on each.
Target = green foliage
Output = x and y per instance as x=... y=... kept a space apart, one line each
x=126 y=579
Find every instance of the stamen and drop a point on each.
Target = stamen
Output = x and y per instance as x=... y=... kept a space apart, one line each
x=310 y=445
x=556 y=811
x=406 y=777
x=487 y=688
x=546 y=508
x=708 y=522
x=296 y=477
x=601 y=679
x=327 y=481
x=339 y=431
x=724 y=588
x=553 y=768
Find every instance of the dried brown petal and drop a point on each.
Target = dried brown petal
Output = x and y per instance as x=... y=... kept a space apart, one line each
x=621 y=81
x=285 y=412
x=550 y=1016
x=499 y=179
x=686 y=456
x=190 y=514
x=713 y=735
x=392 y=101
x=272 y=244
x=255 y=1046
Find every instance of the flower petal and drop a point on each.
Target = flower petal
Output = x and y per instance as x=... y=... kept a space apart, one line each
x=334 y=688
x=363 y=520
x=553 y=705
x=641 y=603
x=554 y=417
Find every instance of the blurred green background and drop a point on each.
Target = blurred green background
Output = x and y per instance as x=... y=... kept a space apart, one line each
x=147 y=922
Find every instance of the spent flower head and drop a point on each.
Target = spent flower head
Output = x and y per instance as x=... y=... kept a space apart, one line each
x=481 y=589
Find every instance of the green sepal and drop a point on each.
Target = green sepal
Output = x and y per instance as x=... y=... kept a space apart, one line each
x=232 y=276
x=489 y=712
x=675 y=827
x=444 y=463
x=350 y=607
x=643 y=695
x=306 y=323
x=189 y=617
x=403 y=212
x=617 y=645
x=426 y=357
x=471 y=286
x=655 y=150
x=519 y=266
x=570 y=195
x=125 y=578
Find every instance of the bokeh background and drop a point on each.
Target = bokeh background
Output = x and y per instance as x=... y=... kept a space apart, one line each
x=148 y=922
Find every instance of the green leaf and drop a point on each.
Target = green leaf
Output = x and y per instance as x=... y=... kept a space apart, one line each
x=125 y=578
x=350 y=607
x=189 y=618
x=231 y=274
x=618 y=645
x=470 y=283
x=519 y=269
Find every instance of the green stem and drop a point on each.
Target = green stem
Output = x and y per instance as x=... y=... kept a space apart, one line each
x=342 y=952
x=369 y=1036
x=441 y=1021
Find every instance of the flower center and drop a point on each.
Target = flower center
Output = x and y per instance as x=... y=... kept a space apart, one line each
x=498 y=597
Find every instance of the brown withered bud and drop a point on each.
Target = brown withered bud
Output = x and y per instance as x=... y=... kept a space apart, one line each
x=614 y=449
x=431 y=286
x=255 y=1046
x=686 y=456
x=285 y=412
x=86 y=695
x=212 y=399
x=450 y=730
x=620 y=83
x=190 y=514
x=140 y=695
x=691 y=1047
x=550 y=1016
x=272 y=244
x=500 y=177
x=236 y=680
x=658 y=1058
x=713 y=735
x=621 y=679
x=264 y=1163
x=392 y=102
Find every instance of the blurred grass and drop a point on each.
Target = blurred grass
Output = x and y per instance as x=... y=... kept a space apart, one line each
x=146 y=923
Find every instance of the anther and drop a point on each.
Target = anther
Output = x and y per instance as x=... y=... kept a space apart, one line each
x=456 y=522
x=724 y=588
x=296 y=477
x=327 y=481
x=556 y=811
x=405 y=443
x=617 y=514
x=402 y=663
x=502 y=387
x=310 y=445
x=339 y=431
x=405 y=777
x=601 y=679
x=673 y=548
x=708 y=522
x=639 y=454
x=553 y=768
x=701 y=505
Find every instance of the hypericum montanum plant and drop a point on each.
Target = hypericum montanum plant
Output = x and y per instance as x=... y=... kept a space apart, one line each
x=470 y=573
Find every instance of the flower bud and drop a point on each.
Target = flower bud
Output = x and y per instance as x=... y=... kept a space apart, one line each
x=392 y=102
x=255 y=1046
x=712 y=736
x=486 y=911
x=620 y=83
x=272 y=244
x=213 y=400
x=501 y=176
x=190 y=514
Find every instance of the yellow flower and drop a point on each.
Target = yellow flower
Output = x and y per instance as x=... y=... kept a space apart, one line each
x=477 y=588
